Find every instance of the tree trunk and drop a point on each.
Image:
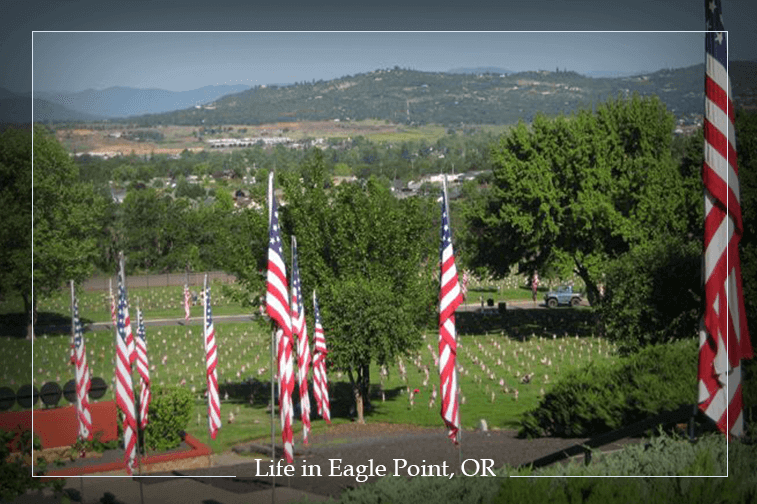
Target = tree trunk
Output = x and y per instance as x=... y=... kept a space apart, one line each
x=592 y=292
x=356 y=392
x=31 y=315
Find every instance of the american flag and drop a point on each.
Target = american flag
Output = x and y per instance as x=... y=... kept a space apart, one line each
x=186 y=302
x=124 y=389
x=144 y=371
x=724 y=336
x=300 y=331
x=320 y=380
x=277 y=307
x=464 y=285
x=450 y=298
x=211 y=361
x=82 y=379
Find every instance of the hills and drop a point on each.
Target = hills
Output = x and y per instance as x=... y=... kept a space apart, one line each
x=482 y=95
x=410 y=96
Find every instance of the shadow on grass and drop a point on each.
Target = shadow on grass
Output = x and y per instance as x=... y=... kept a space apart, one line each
x=520 y=324
x=14 y=325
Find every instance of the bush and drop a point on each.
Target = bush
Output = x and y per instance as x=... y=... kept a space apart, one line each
x=653 y=294
x=16 y=474
x=601 y=398
x=662 y=456
x=169 y=414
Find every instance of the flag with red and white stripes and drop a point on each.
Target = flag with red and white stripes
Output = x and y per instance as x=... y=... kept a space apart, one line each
x=450 y=298
x=187 y=298
x=300 y=332
x=144 y=371
x=320 y=379
x=724 y=336
x=82 y=379
x=277 y=307
x=124 y=388
x=211 y=361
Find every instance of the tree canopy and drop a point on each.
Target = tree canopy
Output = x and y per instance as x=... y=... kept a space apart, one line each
x=67 y=219
x=577 y=192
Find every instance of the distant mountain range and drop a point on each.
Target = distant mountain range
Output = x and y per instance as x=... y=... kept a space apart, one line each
x=97 y=105
x=479 y=95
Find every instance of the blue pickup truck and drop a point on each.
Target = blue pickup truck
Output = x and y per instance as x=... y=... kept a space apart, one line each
x=562 y=295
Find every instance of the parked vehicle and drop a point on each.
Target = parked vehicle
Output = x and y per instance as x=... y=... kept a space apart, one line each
x=562 y=295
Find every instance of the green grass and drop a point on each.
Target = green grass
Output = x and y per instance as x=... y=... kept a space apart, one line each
x=491 y=363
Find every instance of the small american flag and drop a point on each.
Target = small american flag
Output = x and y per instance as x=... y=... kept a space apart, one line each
x=211 y=361
x=124 y=389
x=187 y=298
x=144 y=371
x=449 y=299
x=320 y=380
x=720 y=395
x=277 y=307
x=300 y=330
x=82 y=379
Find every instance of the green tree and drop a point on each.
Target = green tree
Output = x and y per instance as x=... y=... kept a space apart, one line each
x=67 y=221
x=368 y=255
x=16 y=225
x=576 y=192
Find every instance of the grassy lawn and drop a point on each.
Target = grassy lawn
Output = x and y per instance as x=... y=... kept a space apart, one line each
x=495 y=354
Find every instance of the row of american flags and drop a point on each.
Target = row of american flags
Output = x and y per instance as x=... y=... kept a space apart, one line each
x=724 y=337
x=132 y=352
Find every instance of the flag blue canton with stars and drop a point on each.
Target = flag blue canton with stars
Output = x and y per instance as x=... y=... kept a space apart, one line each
x=716 y=40
x=208 y=315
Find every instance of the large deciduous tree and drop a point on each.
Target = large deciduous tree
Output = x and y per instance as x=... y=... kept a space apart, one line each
x=16 y=224
x=67 y=221
x=576 y=192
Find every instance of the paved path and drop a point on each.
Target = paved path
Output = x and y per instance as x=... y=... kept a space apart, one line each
x=234 y=479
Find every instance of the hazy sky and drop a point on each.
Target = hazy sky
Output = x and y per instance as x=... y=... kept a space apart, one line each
x=180 y=61
x=183 y=61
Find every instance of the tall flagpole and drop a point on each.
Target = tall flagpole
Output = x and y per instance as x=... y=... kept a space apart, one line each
x=205 y=346
x=273 y=352
x=73 y=349
x=458 y=392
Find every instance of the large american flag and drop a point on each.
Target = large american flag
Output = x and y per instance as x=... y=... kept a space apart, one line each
x=124 y=389
x=211 y=361
x=450 y=298
x=724 y=337
x=144 y=371
x=277 y=307
x=320 y=380
x=186 y=302
x=82 y=378
x=300 y=331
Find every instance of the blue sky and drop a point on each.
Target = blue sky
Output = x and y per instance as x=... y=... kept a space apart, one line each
x=180 y=61
x=183 y=61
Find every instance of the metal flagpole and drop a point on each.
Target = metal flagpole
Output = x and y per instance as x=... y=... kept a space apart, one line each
x=73 y=349
x=273 y=351
x=205 y=345
x=136 y=409
x=458 y=392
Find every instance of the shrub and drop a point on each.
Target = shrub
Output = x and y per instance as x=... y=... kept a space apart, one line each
x=652 y=294
x=169 y=414
x=15 y=473
x=601 y=398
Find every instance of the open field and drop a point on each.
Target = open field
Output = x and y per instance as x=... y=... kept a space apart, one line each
x=492 y=364
x=178 y=138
